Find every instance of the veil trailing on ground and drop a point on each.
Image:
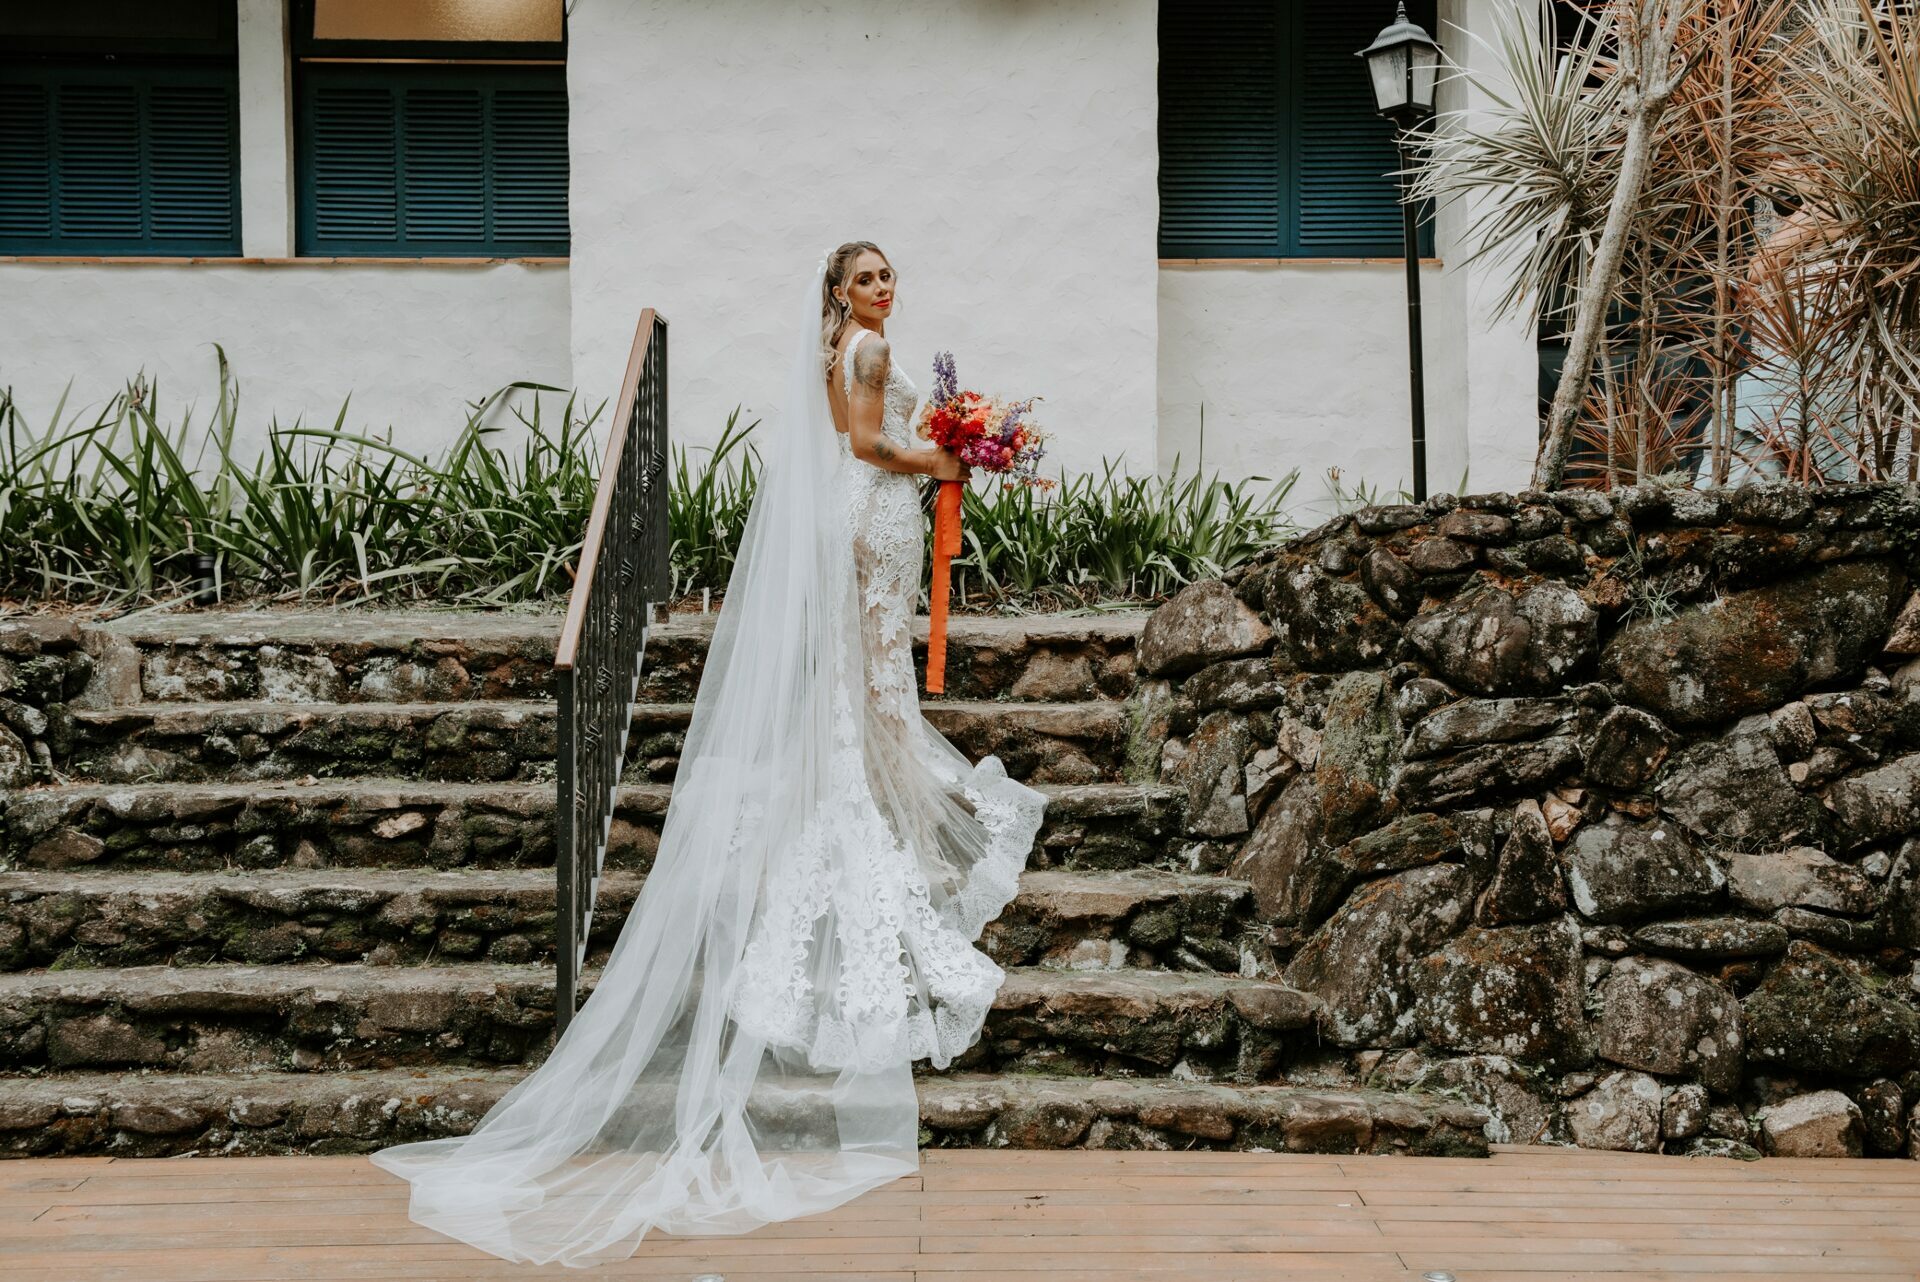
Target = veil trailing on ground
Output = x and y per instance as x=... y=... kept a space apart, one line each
x=662 y=1105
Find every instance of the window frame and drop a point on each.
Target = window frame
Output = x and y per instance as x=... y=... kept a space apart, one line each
x=222 y=47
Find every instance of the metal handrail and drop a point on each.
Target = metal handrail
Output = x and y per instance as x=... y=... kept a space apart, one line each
x=623 y=569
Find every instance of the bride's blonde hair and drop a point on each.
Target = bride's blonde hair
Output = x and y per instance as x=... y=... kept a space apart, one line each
x=835 y=314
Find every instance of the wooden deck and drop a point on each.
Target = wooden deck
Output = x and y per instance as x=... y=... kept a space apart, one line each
x=1004 y=1216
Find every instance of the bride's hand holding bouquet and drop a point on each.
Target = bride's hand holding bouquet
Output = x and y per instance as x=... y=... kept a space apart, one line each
x=946 y=466
x=977 y=431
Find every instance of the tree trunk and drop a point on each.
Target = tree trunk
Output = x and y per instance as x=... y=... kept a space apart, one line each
x=1603 y=270
x=1646 y=52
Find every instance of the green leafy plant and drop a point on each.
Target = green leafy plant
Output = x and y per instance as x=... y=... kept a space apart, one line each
x=119 y=509
x=1651 y=596
x=1111 y=535
x=707 y=507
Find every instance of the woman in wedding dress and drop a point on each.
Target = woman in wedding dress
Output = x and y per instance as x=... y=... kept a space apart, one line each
x=827 y=860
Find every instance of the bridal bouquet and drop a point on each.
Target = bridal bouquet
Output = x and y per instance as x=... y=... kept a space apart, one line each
x=991 y=435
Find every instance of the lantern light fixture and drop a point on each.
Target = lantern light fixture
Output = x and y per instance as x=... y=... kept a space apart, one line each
x=1403 y=62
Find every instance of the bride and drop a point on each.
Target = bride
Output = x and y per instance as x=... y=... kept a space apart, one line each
x=827 y=860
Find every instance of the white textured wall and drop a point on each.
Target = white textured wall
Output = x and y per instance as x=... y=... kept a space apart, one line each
x=1002 y=152
x=411 y=343
x=1498 y=365
x=1298 y=365
x=266 y=130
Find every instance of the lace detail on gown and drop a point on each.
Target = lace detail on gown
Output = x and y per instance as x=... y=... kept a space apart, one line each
x=915 y=850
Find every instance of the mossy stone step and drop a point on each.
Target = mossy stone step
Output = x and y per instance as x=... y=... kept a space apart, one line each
x=171 y=1114
x=72 y=919
x=399 y=823
x=505 y=740
x=327 y=1017
x=355 y=656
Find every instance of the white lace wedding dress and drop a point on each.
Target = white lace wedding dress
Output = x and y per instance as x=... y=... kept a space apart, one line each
x=806 y=930
x=932 y=845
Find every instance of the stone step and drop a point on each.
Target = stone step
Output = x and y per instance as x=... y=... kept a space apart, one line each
x=1080 y=742
x=171 y=1114
x=386 y=917
x=340 y=656
x=1139 y=919
x=374 y=822
x=327 y=1017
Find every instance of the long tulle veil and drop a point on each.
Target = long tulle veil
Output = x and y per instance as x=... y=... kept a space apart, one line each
x=656 y=1108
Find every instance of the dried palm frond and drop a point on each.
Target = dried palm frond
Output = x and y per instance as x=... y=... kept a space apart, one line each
x=1638 y=422
x=1533 y=167
x=1854 y=105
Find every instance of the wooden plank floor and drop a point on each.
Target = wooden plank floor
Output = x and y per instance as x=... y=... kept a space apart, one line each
x=1553 y=1215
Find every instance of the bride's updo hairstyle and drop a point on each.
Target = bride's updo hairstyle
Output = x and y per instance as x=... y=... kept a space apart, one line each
x=834 y=314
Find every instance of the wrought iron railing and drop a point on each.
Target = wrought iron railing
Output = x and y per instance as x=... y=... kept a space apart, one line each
x=623 y=570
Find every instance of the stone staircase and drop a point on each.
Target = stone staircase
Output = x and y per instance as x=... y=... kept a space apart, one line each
x=292 y=891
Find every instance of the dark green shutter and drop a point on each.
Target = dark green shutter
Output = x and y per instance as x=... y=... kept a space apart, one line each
x=351 y=157
x=1349 y=199
x=26 y=165
x=192 y=173
x=1223 y=154
x=433 y=161
x=530 y=164
x=131 y=159
x=97 y=141
x=444 y=166
x=1269 y=144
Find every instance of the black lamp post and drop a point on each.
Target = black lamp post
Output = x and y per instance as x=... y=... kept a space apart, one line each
x=1403 y=62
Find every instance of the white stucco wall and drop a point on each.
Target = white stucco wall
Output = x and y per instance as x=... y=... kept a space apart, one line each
x=266 y=130
x=1002 y=152
x=1497 y=360
x=411 y=343
x=1298 y=365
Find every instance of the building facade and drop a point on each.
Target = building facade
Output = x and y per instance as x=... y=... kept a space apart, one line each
x=1156 y=214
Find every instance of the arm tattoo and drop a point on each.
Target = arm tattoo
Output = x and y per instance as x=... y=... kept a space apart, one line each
x=884 y=451
x=870 y=365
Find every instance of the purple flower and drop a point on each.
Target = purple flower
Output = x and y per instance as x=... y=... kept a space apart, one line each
x=946 y=382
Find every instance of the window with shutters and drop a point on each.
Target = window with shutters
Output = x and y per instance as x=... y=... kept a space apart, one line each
x=119 y=129
x=425 y=133
x=1269 y=144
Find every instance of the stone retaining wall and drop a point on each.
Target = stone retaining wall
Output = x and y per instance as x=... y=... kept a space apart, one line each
x=42 y=668
x=1603 y=811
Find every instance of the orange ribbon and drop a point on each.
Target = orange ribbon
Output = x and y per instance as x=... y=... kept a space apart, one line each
x=946 y=546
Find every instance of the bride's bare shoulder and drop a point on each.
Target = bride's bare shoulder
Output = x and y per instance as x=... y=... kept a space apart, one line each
x=870 y=361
